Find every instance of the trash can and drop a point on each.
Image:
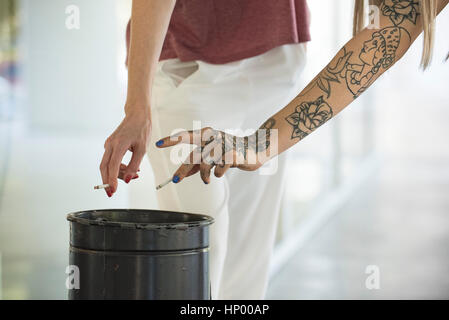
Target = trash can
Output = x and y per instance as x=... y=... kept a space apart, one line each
x=139 y=254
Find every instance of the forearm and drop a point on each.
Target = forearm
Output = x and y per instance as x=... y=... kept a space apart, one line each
x=149 y=24
x=355 y=67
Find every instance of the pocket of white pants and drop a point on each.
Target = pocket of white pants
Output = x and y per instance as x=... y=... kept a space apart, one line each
x=177 y=72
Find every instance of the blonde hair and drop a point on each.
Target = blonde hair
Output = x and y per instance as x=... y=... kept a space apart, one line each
x=428 y=12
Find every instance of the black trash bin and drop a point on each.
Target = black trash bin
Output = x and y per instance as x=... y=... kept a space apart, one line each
x=140 y=254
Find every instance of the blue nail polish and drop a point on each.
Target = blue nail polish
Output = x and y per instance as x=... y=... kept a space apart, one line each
x=160 y=143
x=175 y=179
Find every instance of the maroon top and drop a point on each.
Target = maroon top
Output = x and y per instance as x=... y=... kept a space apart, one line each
x=221 y=31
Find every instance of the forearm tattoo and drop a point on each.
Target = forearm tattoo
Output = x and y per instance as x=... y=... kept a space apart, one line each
x=358 y=70
x=308 y=116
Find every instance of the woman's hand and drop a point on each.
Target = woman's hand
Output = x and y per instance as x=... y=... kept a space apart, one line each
x=220 y=150
x=133 y=135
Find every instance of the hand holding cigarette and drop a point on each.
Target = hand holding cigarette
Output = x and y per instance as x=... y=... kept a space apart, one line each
x=131 y=135
x=120 y=176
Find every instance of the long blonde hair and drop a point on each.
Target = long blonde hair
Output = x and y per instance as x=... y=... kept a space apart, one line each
x=428 y=12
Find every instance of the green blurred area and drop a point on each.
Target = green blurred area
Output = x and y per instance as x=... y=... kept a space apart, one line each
x=9 y=29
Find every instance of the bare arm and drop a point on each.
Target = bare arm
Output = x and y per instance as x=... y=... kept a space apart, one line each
x=355 y=67
x=149 y=24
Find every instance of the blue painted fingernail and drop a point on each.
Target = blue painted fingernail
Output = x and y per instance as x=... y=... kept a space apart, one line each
x=175 y=179
x=160 y=143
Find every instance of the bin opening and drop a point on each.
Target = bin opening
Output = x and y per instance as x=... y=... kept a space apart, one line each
x=124 y=217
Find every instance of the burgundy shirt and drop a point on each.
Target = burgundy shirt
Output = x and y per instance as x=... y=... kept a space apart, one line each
x=221 y=31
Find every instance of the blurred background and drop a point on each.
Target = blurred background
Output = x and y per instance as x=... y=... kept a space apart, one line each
x=367 y=194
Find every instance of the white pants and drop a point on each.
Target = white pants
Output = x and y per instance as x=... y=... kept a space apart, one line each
x=245 y=205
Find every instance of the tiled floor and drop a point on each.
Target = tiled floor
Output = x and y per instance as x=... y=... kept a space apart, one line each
x=399 y=222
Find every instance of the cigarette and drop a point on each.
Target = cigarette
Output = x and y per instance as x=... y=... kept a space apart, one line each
x=164 y=184
x=101 y=186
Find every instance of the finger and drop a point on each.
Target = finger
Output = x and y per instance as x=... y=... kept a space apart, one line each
x=121 y=174
x=187 y=166
x=194 y=170
x=114 y=166
x=181 y=137
x=124 y=166
x=221 y=169
x=205 y=169
x=187 y=137
x=104 y=168
x=134 y=163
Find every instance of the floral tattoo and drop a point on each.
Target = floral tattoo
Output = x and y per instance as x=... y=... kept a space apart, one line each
x=400 y=10
x=308 y=116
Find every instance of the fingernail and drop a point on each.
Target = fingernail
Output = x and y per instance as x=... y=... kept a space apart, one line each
x=205 y=182
x=109 y=193
x=175 y=179
x=127 y=178
x=159 y=143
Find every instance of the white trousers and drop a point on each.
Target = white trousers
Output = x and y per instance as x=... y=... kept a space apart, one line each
x=245 y=205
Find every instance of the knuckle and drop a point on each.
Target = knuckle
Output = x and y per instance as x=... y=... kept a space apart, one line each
x=141 y=149
x=208 y=131
x=107 y=143
x=111 y=141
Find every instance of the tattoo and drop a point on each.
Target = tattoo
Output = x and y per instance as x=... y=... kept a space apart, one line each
x=331 y=73
x=308 y=116
x=241 y=146
x=209 y=141
x=263 y=136
x=377 y=55
x=223 y=143
x=400 y=10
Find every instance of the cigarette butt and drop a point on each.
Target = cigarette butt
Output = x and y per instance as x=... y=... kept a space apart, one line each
x=101 y=186
x=164 y=184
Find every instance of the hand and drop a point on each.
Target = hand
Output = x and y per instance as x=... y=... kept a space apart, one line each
x=217 y=149
x=133 y=135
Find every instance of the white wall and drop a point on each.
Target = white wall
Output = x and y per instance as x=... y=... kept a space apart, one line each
x=71 y=76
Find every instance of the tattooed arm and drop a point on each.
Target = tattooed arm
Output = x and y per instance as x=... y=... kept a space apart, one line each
x=355 y=67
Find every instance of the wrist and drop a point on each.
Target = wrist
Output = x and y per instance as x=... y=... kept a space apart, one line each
x=138 y=110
